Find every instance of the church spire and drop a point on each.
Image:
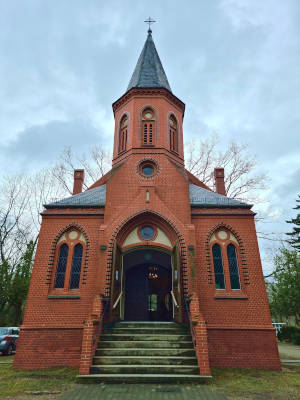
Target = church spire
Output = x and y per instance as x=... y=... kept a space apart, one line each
x=149 y=72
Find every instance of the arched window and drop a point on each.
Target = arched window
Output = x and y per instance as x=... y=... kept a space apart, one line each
x=123 y=134
x=76 y=267
x=225 y=249
x=71 y=246
x=233 y=267
x=218 y=266
x=61 y=266
x=173 y=135
x=148 y=127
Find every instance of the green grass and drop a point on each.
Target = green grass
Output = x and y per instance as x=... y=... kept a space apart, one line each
x=257 y=384
x=236 y=384
x=13 y=382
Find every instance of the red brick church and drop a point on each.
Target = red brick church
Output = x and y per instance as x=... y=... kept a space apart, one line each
x=148 y=273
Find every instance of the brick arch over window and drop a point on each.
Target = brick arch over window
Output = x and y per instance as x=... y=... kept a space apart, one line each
x=209 y=264
x=180 y=238
x=54 y=243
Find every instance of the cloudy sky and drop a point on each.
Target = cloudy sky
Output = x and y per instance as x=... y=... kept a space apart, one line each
x=235 y=63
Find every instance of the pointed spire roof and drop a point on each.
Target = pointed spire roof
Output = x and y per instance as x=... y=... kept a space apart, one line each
x=149 y=72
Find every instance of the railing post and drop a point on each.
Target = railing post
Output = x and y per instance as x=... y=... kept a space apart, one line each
x=198 y=327
x=89 y=331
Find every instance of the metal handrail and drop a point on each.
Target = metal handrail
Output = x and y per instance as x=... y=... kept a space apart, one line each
x=100 y=323
x=187 y=308
x=118 y=299
x=174 y=299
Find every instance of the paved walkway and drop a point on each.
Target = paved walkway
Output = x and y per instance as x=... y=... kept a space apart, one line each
x=289 y=351
x=141 y=392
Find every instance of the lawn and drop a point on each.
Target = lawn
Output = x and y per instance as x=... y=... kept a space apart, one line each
x=53 y=380
x=244 y=384
x=236 y=384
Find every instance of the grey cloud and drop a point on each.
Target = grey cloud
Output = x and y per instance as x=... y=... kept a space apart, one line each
x=41 y=145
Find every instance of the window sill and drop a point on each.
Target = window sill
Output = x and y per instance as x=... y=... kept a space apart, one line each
x=148 y=145
x=232 y=295
x=64 y=297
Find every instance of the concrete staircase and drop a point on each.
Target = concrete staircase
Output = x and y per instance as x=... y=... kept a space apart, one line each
x=153 y=352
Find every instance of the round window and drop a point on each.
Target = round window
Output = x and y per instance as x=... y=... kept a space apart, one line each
x=147 y=232
x=147 y=169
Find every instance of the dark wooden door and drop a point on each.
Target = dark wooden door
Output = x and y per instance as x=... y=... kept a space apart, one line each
x=136 y=294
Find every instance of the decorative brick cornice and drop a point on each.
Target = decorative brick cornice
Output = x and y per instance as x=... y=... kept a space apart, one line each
x=148 y=92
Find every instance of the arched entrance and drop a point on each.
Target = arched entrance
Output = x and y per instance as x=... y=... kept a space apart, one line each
x=146 y=272
x=147 y=286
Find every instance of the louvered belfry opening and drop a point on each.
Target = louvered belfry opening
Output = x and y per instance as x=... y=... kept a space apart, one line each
x=148 y=126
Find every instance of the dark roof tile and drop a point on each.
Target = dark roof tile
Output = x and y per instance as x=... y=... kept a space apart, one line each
x=91 y=198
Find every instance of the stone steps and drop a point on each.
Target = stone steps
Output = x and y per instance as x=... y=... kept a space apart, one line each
x=146 y=344
x=144 y=360
x=140 y=352
x=142 y=378
x=167 y=352
x=144 y=337
x=144 y=369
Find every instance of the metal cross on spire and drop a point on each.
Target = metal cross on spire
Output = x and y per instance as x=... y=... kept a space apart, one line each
x=149 y=21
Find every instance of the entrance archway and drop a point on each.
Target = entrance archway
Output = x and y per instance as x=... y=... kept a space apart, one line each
x=147 y=286
x=147 y=245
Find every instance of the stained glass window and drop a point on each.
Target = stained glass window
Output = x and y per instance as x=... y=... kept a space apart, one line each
x=218 y=266
x=61 y=267
x=76 y=267
x=233 y=267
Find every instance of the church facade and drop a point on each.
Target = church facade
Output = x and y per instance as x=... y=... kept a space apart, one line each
x=148 y=242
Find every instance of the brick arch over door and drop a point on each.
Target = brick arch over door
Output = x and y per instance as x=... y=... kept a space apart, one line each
x=72 y=225
x=168 y=222
x=242 y=251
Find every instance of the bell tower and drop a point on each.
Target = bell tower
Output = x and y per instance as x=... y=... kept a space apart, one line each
x=148 y=117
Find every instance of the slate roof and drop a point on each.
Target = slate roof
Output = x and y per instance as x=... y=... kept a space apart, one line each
x=149 y=72
x=200 y=197
x=91 y=198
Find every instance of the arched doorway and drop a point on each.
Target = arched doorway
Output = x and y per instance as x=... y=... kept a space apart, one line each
x=147 y=286
x=146 y=273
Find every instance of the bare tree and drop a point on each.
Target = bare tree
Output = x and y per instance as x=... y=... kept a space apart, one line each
x=241 y=180
x=95 y=164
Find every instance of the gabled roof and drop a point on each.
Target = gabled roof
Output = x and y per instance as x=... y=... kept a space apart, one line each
x=91 y=198
x=200 y=197
x=149 y=72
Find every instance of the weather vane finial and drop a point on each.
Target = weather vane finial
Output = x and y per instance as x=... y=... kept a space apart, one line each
x=149 y=21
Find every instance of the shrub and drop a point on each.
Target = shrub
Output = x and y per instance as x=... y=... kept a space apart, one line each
x=295 y=337
x=287 y=332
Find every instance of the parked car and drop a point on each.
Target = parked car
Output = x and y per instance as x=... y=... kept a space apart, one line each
x=8 y=339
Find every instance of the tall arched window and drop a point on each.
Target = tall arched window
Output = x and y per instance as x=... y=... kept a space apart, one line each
x=70 y=250
x=76 y=267
x=148 y=127
x=123 y=134
x=61 y=266
x=218 y=266
x=233 y=267
x=173 y=135
x=225 y=247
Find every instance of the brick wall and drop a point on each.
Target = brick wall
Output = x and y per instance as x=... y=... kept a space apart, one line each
x=45 y=348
